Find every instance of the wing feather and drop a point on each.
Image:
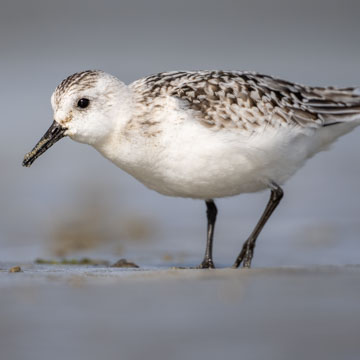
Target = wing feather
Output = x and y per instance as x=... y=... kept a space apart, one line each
x=250 y=101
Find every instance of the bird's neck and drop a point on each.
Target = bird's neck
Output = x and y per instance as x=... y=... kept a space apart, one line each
x=124 y=145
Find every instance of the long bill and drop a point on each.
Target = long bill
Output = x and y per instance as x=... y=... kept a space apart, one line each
x=54 y=134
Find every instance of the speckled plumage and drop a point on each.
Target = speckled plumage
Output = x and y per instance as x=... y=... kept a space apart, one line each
x=249 y=101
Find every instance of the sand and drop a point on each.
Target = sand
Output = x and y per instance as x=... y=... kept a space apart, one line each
x=86 y=312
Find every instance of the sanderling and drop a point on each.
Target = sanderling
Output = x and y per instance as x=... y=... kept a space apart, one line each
x=202 y=134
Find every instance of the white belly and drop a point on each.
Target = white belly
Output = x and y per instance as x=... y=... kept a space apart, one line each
x=189 y=160
x=220 y=165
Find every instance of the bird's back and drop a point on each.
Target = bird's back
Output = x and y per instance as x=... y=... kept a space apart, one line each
x=251 y=101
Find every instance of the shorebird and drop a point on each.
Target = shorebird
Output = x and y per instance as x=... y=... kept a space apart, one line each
x=203 y=134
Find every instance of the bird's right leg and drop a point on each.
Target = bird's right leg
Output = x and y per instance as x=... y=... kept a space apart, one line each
x=211 y=212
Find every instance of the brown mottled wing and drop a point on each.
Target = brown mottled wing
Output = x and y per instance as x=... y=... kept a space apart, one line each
x=251 y=101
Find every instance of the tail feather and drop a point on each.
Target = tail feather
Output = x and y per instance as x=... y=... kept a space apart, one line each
x=332 y=105
x=312 y=106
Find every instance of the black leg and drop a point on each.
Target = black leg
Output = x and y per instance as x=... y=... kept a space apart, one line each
x=211 y=212
x=247 y=250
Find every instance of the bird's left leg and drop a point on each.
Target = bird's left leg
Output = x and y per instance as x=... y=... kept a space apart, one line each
x=247 y=250
x=211 y=212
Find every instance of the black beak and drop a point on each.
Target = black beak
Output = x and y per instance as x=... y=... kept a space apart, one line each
x=54 y=134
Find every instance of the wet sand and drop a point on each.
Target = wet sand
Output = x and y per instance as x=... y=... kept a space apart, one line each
x=84 y=312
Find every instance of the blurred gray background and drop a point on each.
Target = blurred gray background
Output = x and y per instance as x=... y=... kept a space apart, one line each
x=72 y=202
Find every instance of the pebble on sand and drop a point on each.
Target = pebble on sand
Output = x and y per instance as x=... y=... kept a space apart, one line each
x=123 y=263
x=15 y=269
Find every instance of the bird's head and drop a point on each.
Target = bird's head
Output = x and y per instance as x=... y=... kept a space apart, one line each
x=86 y=106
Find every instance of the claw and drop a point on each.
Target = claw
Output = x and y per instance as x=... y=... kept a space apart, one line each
x=206 y=264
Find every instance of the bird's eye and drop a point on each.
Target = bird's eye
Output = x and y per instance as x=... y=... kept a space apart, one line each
x=83 y=103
